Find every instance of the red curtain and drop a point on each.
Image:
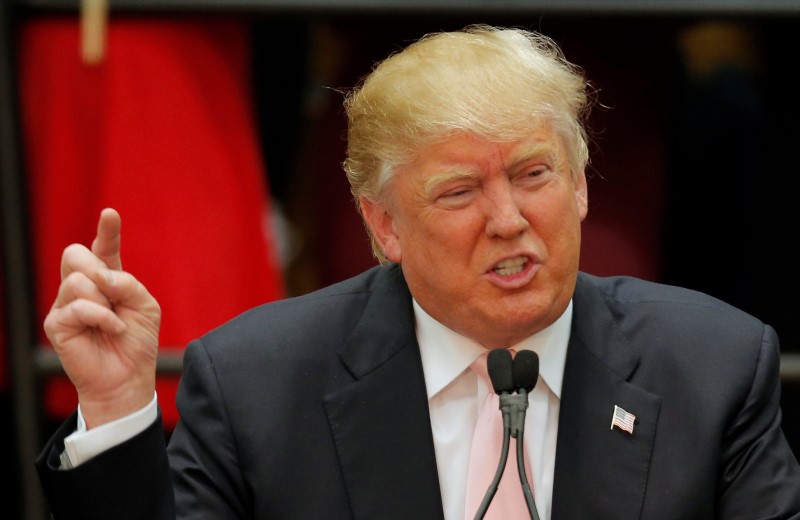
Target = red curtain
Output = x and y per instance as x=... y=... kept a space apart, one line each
x=164 y=131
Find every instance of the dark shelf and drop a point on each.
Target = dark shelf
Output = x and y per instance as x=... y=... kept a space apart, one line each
x=582 y=7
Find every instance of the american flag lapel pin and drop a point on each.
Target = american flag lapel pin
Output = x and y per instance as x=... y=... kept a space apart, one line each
x=622 y=419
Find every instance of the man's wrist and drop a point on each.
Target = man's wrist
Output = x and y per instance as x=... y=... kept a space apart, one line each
x=84 y=444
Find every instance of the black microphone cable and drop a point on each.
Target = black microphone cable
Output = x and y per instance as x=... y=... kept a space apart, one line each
x=507 y=376
x=525 y=372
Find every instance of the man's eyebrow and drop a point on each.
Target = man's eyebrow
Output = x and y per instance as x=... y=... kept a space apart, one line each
x=447 y=176
x=538 y=149
x=545 y=149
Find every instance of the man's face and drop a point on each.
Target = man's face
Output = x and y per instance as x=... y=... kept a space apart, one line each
x=487 y=234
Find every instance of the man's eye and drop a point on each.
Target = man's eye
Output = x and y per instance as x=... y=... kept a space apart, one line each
x=533 y=175
x=455 y=193
x=456 y=198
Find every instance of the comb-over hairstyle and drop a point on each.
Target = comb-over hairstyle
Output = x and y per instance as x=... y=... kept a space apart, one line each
x=494 y=82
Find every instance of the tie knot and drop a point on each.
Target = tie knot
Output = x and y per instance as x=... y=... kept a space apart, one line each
x=480 y=367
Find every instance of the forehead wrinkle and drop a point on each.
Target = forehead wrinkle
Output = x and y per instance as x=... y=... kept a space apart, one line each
x=444 y=177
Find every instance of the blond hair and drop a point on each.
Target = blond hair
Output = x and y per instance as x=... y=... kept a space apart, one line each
x=490 y=81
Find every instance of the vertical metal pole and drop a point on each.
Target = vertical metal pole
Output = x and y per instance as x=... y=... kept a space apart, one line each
x=17 y=278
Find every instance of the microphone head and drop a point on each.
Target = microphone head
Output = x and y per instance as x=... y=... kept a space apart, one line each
x=525 y=371
x=498 y=364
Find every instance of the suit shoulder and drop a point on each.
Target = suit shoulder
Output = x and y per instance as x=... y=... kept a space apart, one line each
x=328 y=311
x=683 y=318
x=631 y=292
x=682 y=332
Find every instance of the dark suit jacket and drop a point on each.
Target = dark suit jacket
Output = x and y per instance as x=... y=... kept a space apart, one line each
x=315 y=408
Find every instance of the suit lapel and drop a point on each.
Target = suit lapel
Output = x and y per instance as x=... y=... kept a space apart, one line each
x=600 y=472
x=380 y=422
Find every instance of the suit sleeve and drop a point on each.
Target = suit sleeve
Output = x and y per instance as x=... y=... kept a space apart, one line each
x=759 y=475
x=197 y=477
x=206 y=472
x=128 y=482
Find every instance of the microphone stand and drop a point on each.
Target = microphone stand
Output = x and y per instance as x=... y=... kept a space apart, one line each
x=513 y=407
x=501 y=466
x=519 y=376
x=518 y=431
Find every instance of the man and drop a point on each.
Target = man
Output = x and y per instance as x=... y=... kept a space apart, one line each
x=466 y=154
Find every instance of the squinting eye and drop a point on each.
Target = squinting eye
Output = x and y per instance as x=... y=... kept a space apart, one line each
x=456 y=198
x=535 y=173
x=534 y=177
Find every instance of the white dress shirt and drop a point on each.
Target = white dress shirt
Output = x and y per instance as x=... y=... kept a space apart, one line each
x=456 y=395
x=83 y=444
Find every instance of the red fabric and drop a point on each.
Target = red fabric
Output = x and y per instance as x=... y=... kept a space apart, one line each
x=164 y=131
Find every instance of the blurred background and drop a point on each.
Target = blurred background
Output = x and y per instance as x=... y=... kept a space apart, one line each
x=215 y=127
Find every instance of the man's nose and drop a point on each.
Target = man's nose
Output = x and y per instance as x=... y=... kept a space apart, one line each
x=505 y=219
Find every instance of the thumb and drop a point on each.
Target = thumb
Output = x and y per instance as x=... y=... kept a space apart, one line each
x=123 y=289
x=106 y=245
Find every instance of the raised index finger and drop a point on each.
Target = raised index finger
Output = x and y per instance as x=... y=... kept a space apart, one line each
x=106 y=245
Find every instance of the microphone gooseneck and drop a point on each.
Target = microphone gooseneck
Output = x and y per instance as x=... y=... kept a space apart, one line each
x=499 y=365
x=512 y=379
x=525 y=373
x=523 y=479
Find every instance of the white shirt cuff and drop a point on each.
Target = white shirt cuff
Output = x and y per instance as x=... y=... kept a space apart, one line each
x=82 y=445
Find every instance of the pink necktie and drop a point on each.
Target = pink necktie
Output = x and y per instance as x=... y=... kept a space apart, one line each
x=487 y=442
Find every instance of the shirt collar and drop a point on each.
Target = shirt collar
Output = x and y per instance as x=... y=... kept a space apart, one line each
x=446 y=353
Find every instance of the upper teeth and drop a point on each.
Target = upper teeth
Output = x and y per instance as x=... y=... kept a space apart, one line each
x=511 y=266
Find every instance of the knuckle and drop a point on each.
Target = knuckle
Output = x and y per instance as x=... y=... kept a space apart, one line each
x=49 y=321
x=75 y=279
x=72 y=251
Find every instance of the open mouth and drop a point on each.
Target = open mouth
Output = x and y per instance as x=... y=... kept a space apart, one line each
x=511 y=266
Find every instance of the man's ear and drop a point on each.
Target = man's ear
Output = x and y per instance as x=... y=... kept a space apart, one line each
x=582 y=194
x=381 y=225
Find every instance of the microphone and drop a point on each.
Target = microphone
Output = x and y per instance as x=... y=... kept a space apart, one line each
x=499 y=366
x=525 y=373
x=511 y=380
x=525 y=370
